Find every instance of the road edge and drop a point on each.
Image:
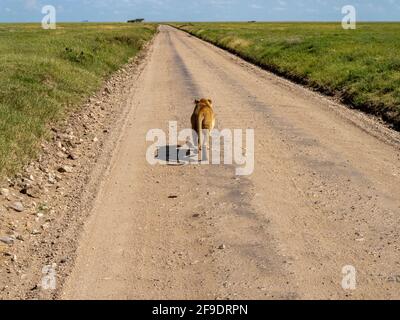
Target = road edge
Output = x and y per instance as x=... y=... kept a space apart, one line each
x=390 y=123
x=55 y=218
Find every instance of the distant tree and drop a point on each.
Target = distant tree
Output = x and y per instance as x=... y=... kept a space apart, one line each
x=136 y=20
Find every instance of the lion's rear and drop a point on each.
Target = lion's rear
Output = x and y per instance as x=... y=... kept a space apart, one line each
x=203 y=118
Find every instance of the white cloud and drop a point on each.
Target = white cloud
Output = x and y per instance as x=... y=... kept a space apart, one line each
x=255 y=6
x=31 y=4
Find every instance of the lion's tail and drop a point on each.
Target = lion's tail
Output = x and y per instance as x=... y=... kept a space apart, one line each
x=200 y=129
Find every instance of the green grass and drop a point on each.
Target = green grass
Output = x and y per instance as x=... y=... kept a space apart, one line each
x=44 y=74
x=361 y=67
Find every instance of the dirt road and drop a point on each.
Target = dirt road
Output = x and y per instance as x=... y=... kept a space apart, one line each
x=324 y=193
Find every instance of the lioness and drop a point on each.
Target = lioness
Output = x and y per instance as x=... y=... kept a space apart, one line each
x=203 y=118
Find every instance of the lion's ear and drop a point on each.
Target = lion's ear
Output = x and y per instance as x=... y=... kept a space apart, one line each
x=210 y=101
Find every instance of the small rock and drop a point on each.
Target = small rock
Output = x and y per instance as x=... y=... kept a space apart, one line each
x=7 y=240
x=61 y=154
x=51 y=178
x=196 y=215
x=64 y=169
x=43 y=169
x=95 y=139
x=222 y=247
x=45 y=226
x=35 y=232
x=5 y=192
x=31 y=192
x=17 y=206
x=172 y=197
x=72 y=156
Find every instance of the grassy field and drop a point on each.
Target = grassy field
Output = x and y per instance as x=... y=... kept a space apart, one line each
x=46 y=73
x=361 y=67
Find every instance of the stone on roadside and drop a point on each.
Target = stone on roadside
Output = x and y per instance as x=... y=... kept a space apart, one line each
x=17 y=206
x=7 y=240
x=51 y=178
x=72 y=156
x=5 y=192
x=32 y=192
x=61 y=154
x=64 y=169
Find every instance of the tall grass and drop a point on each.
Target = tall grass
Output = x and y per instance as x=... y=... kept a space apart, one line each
x=44 y=73
x=361 y=67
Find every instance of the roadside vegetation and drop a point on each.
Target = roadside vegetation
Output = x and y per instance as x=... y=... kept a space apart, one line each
x=361 y=67
x=45 y=74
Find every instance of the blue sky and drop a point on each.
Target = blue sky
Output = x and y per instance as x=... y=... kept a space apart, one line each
x=199 y=10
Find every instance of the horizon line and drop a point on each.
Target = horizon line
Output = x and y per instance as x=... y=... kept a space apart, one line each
x=208 y=21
